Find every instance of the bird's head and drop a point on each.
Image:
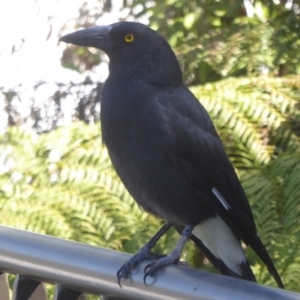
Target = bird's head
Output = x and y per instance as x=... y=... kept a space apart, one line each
x=133 y=49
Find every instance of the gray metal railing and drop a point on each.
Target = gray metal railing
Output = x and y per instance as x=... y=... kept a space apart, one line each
x=77 y=268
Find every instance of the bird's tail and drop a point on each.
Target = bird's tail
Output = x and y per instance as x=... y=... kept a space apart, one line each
x=257 y=245
x=247 y=273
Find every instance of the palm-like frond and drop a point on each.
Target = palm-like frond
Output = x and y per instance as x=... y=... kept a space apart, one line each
x=257 y=118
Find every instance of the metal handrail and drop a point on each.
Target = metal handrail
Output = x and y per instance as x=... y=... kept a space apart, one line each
x=93 y=270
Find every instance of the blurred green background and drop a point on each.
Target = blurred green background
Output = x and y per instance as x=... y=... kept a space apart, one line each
x=241 y=59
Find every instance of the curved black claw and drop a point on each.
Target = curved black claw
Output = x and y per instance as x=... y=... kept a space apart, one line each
x=126 y=269
x=122 y=273
x=148 y=266
x=146 y=272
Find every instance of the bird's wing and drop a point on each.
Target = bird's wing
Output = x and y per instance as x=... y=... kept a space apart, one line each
x=197 y=149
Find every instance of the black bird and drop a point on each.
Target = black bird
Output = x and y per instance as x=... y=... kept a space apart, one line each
x=168 y=154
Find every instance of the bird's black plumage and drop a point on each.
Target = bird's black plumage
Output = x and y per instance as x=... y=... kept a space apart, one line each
x=167 y=152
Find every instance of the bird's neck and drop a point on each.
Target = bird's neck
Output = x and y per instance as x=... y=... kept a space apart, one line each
x=145 y=70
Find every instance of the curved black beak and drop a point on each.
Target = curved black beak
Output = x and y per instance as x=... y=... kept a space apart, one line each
x=97 y=37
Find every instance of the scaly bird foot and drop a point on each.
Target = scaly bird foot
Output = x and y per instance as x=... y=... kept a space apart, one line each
x=142 y=255
x=153 y=267
x=171 y=259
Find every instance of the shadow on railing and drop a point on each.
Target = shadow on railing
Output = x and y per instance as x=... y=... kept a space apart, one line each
x=78 y=269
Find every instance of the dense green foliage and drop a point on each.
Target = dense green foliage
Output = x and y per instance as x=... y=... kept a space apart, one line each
x=242 y=61
x=62 y=183
x=216 y=39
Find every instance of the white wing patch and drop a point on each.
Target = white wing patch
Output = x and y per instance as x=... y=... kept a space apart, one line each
x=221 y=199
x=220 y=240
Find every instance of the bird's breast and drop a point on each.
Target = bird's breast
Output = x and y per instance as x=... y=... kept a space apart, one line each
x=134 y=131
x=130 y=117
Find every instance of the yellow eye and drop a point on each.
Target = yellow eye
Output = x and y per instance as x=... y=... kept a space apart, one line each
x=129 y=38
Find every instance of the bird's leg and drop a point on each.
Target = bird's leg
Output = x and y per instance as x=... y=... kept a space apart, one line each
x=143 y=254
x=173 y=257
